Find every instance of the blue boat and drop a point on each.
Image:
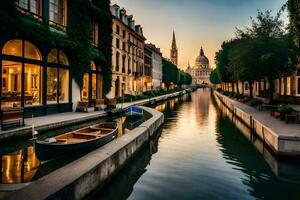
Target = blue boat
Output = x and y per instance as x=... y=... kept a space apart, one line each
x=134 y=112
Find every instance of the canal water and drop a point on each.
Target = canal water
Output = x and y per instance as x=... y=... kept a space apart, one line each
x=202 y=152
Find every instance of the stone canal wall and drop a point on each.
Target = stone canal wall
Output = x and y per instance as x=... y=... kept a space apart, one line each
x=62 y=120
x=79 y=178
x=282 y=142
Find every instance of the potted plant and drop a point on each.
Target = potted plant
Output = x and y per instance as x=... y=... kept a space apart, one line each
x=284 y=109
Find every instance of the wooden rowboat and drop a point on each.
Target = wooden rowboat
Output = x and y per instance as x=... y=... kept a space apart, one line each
x=78 y=141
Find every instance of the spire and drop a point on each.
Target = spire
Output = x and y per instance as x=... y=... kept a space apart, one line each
x=174 y=46
x=201 y=52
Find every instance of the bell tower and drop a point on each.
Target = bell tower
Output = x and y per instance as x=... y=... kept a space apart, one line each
x=174 y=51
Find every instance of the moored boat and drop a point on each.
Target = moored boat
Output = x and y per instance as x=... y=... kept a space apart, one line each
x=134 y=112
x=78 y=141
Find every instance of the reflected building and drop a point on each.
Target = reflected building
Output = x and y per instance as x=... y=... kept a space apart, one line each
x=19 y=167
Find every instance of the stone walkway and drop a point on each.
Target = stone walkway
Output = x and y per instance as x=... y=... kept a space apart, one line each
x=70 y=118
x=279 y=127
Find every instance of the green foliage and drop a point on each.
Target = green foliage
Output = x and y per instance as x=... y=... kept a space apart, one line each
x=255 y=102
x=214 y=78
x=284 y=108
x=75 y=42
x=170 y=72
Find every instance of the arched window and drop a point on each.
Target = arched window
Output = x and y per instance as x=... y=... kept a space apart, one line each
x=57 y=77
x=21 y=75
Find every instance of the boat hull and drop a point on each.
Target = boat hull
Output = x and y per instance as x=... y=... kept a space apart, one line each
x=47 y=151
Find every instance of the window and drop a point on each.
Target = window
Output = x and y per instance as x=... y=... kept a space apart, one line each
x=33 y=6
x=124 y=46
x=52 y=83
x=95 y=30
x=57 y=12
x=124 y=34
x=117 y=43
x=57 y=77
x=11 y=84
x=14 y=72
x=282 y=86
x=33 y=81
x=118 y=29
x=129 y=66
x=288 y=85
x=117 y=61
x=123 y=63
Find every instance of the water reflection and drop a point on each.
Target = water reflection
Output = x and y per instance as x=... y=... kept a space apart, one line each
x=19 y=166
x=203 y=155
x=19 y=163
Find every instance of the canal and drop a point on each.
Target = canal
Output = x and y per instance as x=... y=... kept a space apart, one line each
x=202 y=152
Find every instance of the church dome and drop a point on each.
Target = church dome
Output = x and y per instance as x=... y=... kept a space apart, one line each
x=201 y=60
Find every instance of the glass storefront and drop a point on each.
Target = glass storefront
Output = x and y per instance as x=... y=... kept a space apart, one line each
x=22 y=76
x=92 y=84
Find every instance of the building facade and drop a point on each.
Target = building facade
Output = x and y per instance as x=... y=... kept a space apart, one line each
x=156 y=67
x=127 y=54
x=35 y=68
x=148 y=65
x=174 y=51
x=201 y=71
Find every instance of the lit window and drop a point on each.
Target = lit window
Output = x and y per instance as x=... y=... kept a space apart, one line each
x=57 y=12
x=57 y=78
x=33 y=81
x=63 y=85
x=13 y=74
x=11 y=84
x=13 y=48
x=52 y=75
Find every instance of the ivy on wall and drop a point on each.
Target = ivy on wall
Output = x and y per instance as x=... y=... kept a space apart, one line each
x=76 y=41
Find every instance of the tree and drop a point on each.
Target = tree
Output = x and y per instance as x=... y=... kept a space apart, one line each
x=171 y=73
x=214 y=78
x=244 y=54
x=221 y=60
x=276 y=57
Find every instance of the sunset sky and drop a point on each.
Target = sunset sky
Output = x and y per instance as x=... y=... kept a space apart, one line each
x=196 y=23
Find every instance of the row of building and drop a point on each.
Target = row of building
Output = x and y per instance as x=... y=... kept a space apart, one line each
x=136 y=66
x=40 y=66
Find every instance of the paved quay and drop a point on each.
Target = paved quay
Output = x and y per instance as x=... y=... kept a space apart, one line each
x=70 y=118
x=79 y=178
x=282 y=138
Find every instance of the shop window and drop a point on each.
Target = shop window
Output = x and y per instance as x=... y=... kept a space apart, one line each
x=282 y=86
x=63 y=58
x=31 y=51
x=53 y=56
x=85 y=87
x=57 y=12
x=94 y=86
x=13 y=48
x=13 y=74
x=52 y=84
x=11 y=84
x=33 y=89
x=57 y=78
x=63 y=85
